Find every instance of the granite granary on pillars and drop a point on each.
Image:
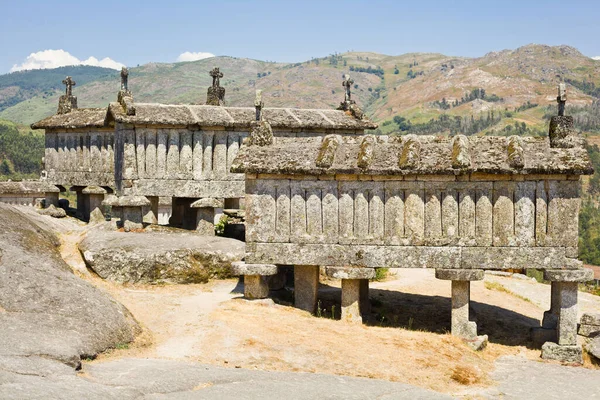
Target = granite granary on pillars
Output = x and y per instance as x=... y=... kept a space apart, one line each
x=179 y=151
x=459 y=205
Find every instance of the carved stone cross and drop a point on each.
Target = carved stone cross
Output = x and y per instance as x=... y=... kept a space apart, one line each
x=216 y=75
x=124 y=76
x=347 y=85
x=69 y=83
x=561 y=99
x=258 y=104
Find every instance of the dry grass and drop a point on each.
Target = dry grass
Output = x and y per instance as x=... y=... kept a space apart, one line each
x=465 y=375
x=500 y=288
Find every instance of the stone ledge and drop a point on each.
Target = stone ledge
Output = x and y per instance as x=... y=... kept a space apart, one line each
x=241 y=268
x=459 y=274
x=350 y=272
x=561 y=275
x=94 y=190
x=207 y=202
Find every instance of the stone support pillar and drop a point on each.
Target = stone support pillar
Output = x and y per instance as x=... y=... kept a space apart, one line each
x=131 y=210
x=256 y=278
x=153 y=209
x=81 y=206
x=551 y=316
x=306 y=287
x=232 y=204
x=461 y=297
x=204 y=215
x=355 y=291
x=51 y=198
x=93 y=196
x=177 y=212
x=564 y=296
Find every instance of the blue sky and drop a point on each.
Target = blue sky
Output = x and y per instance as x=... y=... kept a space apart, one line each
x=137 y=32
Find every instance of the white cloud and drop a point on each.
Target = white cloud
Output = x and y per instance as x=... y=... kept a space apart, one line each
x=596 y=58
x=60 y=58
x=191 y=56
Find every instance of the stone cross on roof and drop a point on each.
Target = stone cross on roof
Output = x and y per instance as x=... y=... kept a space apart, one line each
x=216 y=75
x=347 y=85
x=124 y=76
x=69 y=83
x=258 y=104
x=561 y=99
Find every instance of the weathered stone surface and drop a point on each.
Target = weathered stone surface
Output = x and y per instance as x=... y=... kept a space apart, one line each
x=350 y=273
x=588 y=330
x=562 y=132
x=159 y=257
x=241 y=268
x=256 y=287
x=327 y=151
x=53 y=212
x=94 y=190
x=576 y=275
x=306 y=287
x=591 y=319
x=207 y=202
x=351 y=301
x=475 y=155
x=461 y=326
x=459 y=274
x=478 y=343
x=593 y=347
x=567 y=354
x=96 y=216
x=261 y=134
x=566 y=330
x=46 y=310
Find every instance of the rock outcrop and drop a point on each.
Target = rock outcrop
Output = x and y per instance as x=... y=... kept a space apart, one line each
x=45 y=310
x=152 y=257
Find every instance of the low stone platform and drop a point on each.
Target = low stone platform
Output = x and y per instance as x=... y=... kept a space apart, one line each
x=151 y=257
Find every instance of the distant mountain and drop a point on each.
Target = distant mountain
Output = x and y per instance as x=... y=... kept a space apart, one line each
x=418 y=87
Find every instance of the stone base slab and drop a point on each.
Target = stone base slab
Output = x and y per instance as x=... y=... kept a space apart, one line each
x=373 y=256
x=459 y=274
x=567 y=354
x=350 y=272
x=561 y=275
x=241 y=268
x=478 y=343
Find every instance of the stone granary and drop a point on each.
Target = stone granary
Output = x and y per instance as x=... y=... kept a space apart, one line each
x=179 y=151
x=459 y=205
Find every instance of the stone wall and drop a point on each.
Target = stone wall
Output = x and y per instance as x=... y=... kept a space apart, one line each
x=533 y=221
x=83 y=157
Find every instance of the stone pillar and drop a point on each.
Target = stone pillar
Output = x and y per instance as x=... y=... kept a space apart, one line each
x=306 y=287
x=93 y=196
x=355 y=290
x=256 y=278
x=461 y=296
x=51 y=197
x=177 y=213
x=232 y=204
x=551 y=316
x=81 y=206
x=565 y=294
x=204 y=210
x=131 y=209
x=153 y=208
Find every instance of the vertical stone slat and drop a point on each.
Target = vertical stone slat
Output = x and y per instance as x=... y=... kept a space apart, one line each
x=314 y=220
x=346 y=212
x=207 y=165
x=298 y=225
x=282 y=221
x=220 y=155
x=261 y=210
x=361 y=213
x=541 y=213
x=173 y=154
x=503 y=214
x=414 y=213
x=96 y=157
x=198 y=154
x=483 y=214
x=466 y=214
x=433 y=213
x=61 y=152
x=140 y=146
x=79 y=144
x=394 y=212
x=186 y=154
x=129 y=159
x=162 y=143
x=151 y=153
x=563 y=213
x=450 y=213
x=70 y=154
x=330 y=212
x=87 y=159
x=233 y=147
x=377 y=211
x=525 y=214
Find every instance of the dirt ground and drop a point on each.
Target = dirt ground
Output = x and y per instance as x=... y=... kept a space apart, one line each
x=404 y=339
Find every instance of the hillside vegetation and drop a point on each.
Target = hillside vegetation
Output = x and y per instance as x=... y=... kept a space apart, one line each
x=517 y=85
x=21 y=152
